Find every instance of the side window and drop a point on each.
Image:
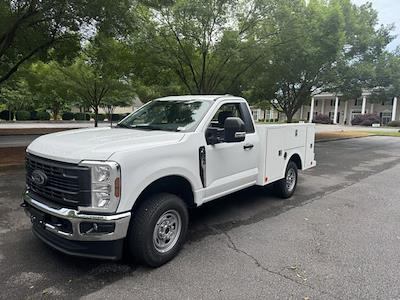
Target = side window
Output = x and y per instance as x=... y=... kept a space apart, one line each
x=238 y=110
x=224 y=112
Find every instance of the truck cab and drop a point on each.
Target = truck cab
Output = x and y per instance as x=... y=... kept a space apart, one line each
x=95 y=192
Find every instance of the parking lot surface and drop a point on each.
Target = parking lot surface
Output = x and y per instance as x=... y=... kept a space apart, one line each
x=337 y=238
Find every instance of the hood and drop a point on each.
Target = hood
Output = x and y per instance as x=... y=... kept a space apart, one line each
x=98 y=143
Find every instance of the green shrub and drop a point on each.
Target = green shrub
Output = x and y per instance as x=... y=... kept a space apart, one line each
x=43 y=115
x=100 y=117
x=34 y=115
x=81 y=117
x=23 y=115
x=67 y=116
x=115 y=117
x=394 y=124
x=5 y=115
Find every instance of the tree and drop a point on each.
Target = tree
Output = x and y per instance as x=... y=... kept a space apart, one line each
x=119 y=98
x=29 y=27
x=101 y=72
x=207 y=45
x=318 y=44
x=16 y=95
x=46 y=81
x=386 y=77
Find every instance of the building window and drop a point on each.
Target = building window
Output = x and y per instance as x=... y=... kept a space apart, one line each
x=355 y=113
x=316 y=102
x=332 y=103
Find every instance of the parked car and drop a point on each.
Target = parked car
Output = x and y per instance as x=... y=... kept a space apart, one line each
x=90 y=192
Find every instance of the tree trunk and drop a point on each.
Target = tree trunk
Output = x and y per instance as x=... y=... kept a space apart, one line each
x=55 y=113
x=96 y=115
x=289 y=117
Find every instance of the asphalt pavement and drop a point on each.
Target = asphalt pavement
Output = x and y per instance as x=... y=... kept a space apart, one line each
x=337 y=238
x=22 y=140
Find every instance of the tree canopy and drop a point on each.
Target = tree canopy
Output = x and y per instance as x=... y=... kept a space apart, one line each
x=319 y=46
x=28 y=28
x=275 y=52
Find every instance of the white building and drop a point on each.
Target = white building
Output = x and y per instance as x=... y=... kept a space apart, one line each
x=341 y=111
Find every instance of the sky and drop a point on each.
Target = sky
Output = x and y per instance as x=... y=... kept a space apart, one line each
x=389 y=13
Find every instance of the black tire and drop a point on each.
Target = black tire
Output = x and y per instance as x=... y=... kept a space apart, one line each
x=282 y=187
x=141 y=244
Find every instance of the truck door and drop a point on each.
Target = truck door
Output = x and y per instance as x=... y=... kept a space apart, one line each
x=231 y=166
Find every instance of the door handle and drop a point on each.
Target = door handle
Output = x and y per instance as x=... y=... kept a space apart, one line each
x=248 y=146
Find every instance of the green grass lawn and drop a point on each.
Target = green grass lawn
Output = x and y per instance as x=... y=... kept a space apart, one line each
x=385 y=133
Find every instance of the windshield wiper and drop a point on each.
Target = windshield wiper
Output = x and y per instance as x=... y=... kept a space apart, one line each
x=146 y=126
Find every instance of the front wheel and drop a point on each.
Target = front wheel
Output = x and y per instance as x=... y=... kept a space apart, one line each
x=287 y=185
x=158 y=229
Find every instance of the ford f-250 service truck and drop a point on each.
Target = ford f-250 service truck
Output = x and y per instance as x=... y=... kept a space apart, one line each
x=94 y=192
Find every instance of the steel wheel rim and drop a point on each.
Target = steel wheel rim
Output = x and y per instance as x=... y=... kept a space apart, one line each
x=167 y=231
x=290 y=179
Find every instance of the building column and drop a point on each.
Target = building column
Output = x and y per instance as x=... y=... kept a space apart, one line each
x=323 y=106
x=394 y=110
x=364 y=103
x=345 y=112
x=336 y=110
x=301 y=112
x=372 y=108
x=311 y=110
x=271 y=114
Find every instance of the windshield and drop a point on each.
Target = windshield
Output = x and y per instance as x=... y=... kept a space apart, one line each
x=171 y=115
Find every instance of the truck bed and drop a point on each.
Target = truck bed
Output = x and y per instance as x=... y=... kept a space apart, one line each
x=279 y=143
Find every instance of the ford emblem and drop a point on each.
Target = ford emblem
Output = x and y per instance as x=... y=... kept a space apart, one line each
x=39 y=177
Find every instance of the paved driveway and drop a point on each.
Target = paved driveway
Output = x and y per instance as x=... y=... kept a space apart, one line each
x=337 y=238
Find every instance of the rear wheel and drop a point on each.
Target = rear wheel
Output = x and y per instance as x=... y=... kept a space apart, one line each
x=158 y=229
x=287 y=185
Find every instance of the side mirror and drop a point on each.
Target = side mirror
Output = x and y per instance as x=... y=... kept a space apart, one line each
x=234 y=130
x=213 y=136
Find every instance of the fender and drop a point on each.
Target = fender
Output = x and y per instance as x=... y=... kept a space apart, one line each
x=127 y=203
x=290 y=154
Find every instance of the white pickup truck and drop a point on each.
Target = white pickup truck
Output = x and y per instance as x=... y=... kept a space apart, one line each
x=97 y=192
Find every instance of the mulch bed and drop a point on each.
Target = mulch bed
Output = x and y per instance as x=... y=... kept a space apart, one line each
x=325 y=136
x=12 y=156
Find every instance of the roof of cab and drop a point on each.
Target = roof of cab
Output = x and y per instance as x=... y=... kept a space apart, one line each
x=197 y=97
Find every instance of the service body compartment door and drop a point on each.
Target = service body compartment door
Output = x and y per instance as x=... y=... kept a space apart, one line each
x=274 y=162
x=310 y=141
x=294 y=136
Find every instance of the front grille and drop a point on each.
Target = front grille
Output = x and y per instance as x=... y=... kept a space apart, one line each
x=66 y=184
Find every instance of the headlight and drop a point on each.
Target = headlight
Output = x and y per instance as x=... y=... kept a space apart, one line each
x=106 y=185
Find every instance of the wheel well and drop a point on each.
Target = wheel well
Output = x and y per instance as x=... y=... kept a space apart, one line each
x=173 y=184
x=297 y=160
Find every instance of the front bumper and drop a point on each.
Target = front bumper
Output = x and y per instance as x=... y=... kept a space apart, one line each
x=67 y=229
